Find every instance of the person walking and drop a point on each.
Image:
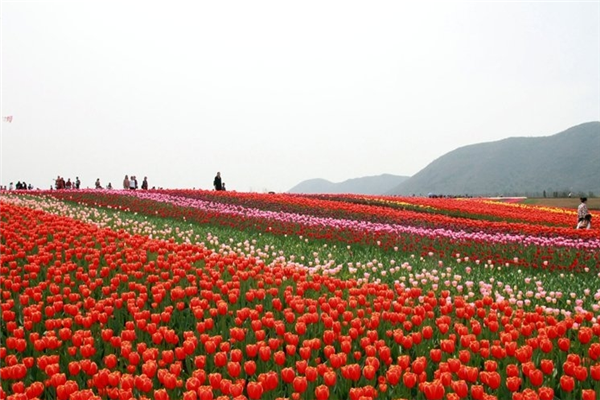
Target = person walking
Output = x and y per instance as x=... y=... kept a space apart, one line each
x=77 y=182
x=217 y=183
x=145 y=183
x=126 y=183
x=584 y=218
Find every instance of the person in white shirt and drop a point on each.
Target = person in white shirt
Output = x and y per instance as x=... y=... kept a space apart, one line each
x=584 y=218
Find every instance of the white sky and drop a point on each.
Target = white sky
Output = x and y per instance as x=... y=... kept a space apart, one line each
x=271 y=93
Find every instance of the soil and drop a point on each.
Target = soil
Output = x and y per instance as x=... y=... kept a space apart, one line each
x=593 y=203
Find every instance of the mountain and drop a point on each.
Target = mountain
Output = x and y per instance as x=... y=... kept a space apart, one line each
x=368 y=185
x=565 y=162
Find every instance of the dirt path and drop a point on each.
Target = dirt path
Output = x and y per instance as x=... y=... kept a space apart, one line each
x=593 y=203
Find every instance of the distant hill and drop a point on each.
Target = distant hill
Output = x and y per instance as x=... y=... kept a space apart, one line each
x=368 y=185
x=568 y=161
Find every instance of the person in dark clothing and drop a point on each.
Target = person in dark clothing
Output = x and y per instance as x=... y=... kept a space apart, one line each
x=217 y=182
x=145 y=183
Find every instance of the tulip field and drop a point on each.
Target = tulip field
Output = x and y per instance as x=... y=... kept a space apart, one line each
x=188 y=294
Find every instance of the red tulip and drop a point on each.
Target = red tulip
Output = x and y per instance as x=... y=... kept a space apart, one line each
x=311 y=373
x=512 y=370
x=220 y=359
x=279 y=358
x=393 y=375
x=433 y=390
x=351 y=371
x=205 y=393
x=536 y=377
x=264 y=353
x=161 y=394
x=588 y=394
x=564 y=344
x=419 y=365
x=330 y=377
x=250 y=367
x=454 y=364
x=409 y=379
x=255 y=390
x=513 y=383
x=215 y=380
x=567 y=383
x=546 y=393
x=192 y=383
x=477 y=392
x=492 y=379
x=547 y=366
x=460 y=388
x=190 y=395
x=435 y=355
x=595 y=372
x=74 y=368
x=322 y=392
x=300 y=384
x=271 y=380
x=585 y=335
x=234 y=369
x=369 y=372
x=288 y=375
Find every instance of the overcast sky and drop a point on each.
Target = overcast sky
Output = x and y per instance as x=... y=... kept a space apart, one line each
x=272 y=93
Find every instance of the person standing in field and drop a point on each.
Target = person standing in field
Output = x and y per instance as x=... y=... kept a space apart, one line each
x=132 y=183
x=217 y=182
x=145 y=183
x=584 y=218
x=126 y=183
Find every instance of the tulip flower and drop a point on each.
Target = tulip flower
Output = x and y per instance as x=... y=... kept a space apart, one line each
x=322 y=392
x=255 y=390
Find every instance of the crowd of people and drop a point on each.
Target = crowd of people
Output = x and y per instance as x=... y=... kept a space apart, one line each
x=128 y=183
x=60 y=183
x=19 y=186
x=131 y=183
